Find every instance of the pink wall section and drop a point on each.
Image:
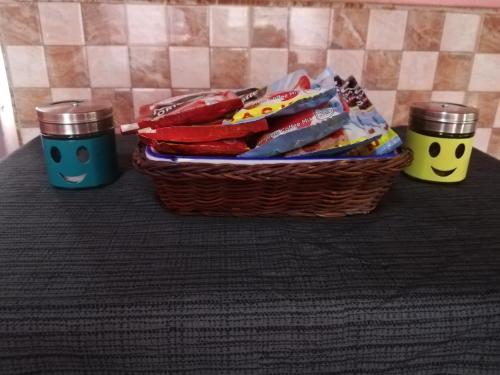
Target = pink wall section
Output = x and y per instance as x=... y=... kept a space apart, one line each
x=460 y=3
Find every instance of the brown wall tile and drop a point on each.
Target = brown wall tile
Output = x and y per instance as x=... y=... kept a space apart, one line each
x=67 y=66
x=229 y=67
x=404 y=99
x=121 y=99
x=188 y=26
x=149 y=67
x=381 y=70
x=19 y=24
x=453 y=71
x=349 y=28
x=489 y=41
x=314 y=61
x=104 y=23
x=494 y=146
x=25 y=101
x=270 y=27
x=424 y=30
x=487 y=103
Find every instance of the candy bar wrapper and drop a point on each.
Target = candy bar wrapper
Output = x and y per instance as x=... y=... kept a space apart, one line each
x=218 y=148
x=203 y=133
x=283 y=104
x=291 y=132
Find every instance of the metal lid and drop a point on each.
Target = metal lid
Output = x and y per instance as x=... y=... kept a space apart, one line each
x=443 y=117
x=75 y=117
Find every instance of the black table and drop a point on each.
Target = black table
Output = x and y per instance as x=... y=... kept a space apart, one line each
x=107 y=281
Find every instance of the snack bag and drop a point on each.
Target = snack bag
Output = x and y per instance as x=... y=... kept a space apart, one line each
x=186 y=109
x=282 y=104
x=218 y=148
x=291 y=132
x=203 y=133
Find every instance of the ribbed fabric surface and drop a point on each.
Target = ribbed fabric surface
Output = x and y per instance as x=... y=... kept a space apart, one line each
x=105 y=281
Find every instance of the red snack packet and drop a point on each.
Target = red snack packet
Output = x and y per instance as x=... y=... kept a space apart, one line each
x=184 y=110
x=218 y=148
x=203 y=133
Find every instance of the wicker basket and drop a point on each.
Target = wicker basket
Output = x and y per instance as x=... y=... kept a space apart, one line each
x=326 y=189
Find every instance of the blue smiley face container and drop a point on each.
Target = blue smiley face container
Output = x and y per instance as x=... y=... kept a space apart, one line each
x=78 y=142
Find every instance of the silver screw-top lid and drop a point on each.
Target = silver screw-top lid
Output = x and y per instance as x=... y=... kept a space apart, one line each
x=440 y=117
x=75 y=117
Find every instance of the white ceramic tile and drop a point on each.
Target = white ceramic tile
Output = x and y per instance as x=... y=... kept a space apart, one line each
x=80 y=93
x=61 y=23
x=384 y=102
x=27 y=134
x=189 y=67
x=345 y=62
x=108 y=66
x=267 y=65
x=386 y=29
x=460 y=32
x=482 y=138
x=417 y=70
x=229 y=26
x=485 y=74
x=147 y=24
x=147 y=96
x=27 y=66
x=309 y=27
x=448 y=96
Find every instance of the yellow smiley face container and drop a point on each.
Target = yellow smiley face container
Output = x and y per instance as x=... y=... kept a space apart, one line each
x=441 y=138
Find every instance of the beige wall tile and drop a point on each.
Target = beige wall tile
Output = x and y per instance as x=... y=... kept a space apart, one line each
x=348 y=28
x=229 y=26
x=73 y=93
x=28 y=134
x=104 y=23
x=108 y=66
x=346 y=62
x=147 y=24
x=489 y=40
x=460 y=32
x=312 y=60
x=404 y=99
x=485 y=74
x=496 y=121
x=386 y=29
x=453 y=71
x=417 y=70
x=61 y=23
x=482 y=139
x=270 y=27
x=27 y=66
x=120 y=99
x=148 y=96
x=448 y=96
x=67 y=66
x=384 y=102
x=424 y=30
x=494 y=145
x=381 y=70
x=267 y=65
x=309 y=27
x=487 y=103
x=25 y=101
x=19 y=24
x=230 y=67
x=189 y=67
x=188 y=25
x=149 y=66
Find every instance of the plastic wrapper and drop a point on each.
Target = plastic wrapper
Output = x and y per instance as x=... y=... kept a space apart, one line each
x=291 y=132
x=217 y=148
x=203 y=133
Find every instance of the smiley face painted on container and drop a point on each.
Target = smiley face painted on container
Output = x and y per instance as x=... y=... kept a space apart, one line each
x=439 y=159
x=70 y=162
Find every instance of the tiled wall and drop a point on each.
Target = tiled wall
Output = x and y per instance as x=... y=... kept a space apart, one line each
x=135 y=53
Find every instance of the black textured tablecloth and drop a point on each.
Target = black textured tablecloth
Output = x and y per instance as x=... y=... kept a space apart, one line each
x=107 y=281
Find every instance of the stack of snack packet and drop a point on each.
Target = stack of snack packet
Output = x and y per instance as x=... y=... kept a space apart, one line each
x=295 y=116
